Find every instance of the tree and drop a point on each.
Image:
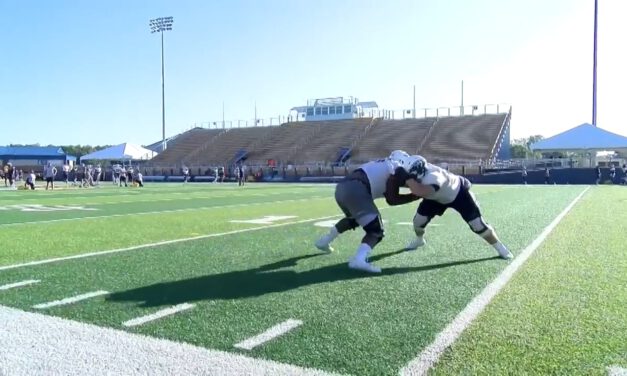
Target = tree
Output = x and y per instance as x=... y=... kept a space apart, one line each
x=521 y=147
x=80 y=150
x=518 y=151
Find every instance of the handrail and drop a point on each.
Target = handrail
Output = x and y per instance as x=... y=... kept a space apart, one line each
x=424 y=140
x=498 y=136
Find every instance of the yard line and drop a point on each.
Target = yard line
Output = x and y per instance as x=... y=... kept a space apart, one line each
x=165 y=242
x=430 y=355
x=71 y=300
x=616 y=371
x=19 y=284
x=41 y=344
x=159 y=314
x=275 y=331
x=160 y=211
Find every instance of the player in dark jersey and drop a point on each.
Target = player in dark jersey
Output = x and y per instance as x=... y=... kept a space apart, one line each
x=440 y=190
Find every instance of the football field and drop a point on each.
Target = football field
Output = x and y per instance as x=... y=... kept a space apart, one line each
x=220 y=279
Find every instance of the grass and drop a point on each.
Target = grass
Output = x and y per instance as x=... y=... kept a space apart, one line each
x=246 y=282
x=566 y=311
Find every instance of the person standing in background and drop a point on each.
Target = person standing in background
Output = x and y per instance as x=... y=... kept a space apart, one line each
x=49 y=173
x=612 y=173
x=66 y=173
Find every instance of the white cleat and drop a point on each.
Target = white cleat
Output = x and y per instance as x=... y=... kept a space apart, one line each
x=504 y=253
x=363 y=265
x=415 y=244
x=323 y=245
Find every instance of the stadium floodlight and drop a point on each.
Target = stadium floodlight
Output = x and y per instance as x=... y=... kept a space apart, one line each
x=159 y=25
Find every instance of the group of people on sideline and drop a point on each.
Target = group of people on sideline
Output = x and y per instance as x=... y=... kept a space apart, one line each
x=239 y=172
x=612 y=175
x=78 y=176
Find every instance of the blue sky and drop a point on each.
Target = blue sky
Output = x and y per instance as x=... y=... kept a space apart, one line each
x=88 y=72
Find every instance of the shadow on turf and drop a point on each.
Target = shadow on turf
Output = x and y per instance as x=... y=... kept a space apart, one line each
x=256 y=282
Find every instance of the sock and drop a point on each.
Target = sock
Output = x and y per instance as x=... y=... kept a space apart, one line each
x=333 y=233
x=363 y=252
x=500 y=248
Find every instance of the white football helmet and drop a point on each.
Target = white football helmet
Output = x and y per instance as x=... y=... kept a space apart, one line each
x=416 y=166
x=399 y=156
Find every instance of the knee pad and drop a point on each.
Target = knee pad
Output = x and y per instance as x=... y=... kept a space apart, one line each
x=479 y=227
x=346 y=224
x=374 y=232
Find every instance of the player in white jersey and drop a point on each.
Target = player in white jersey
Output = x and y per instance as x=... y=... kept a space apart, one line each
x=355 y=195
x=440 y=190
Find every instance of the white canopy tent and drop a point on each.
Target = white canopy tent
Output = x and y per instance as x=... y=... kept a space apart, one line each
x=125 y=151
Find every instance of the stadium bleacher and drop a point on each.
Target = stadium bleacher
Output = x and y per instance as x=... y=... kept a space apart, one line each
x=389 y=135
x=443 y=139
x=463 y=138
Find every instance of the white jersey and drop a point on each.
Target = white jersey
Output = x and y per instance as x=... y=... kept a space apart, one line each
x=378 y=173
x=446 y=184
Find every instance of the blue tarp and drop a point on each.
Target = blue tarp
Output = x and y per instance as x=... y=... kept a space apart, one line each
x=583 y=137
x=34 y=152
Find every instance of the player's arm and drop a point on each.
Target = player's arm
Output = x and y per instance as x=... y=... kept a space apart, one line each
x=392 y=187
x=421 y=190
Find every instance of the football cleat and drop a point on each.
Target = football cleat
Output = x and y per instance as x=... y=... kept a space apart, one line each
x=507 y=255
x=363 y=265
x=323 y=245
x=504 y=253
x=414 y=244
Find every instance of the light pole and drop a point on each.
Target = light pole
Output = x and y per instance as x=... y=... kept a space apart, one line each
x=594 y=67
x=159 y=25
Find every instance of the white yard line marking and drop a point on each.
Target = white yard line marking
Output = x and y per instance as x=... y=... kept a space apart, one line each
x=71 y=300
x=616 y=371
x=160 y=211
x=19 y=284
x=430 y=355
x=159 y=314
x=326 y=224
x=412 y=223
x=266 y=220
x=33 y=343
x=275 y=331
x=165 y=242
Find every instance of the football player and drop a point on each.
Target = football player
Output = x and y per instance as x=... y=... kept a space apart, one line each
x=355 y=196
x=440 y=190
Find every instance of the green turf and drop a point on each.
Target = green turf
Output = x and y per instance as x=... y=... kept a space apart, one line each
x=118 y=225
x=565 y=312
x=246 y=282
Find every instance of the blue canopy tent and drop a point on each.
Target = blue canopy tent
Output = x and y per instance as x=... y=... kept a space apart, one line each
x=585 y=137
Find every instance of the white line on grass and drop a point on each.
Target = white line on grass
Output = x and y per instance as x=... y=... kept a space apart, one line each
x=36 y=344
x=71 y=300
x=275 y=331
x=19 y=284
x=430 y=355
x=616 y=371
x=159 y=314
x=165 y=242
x=161 y=211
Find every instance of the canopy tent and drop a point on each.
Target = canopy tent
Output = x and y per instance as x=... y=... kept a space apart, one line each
x=123 y=151
x=585 y=137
